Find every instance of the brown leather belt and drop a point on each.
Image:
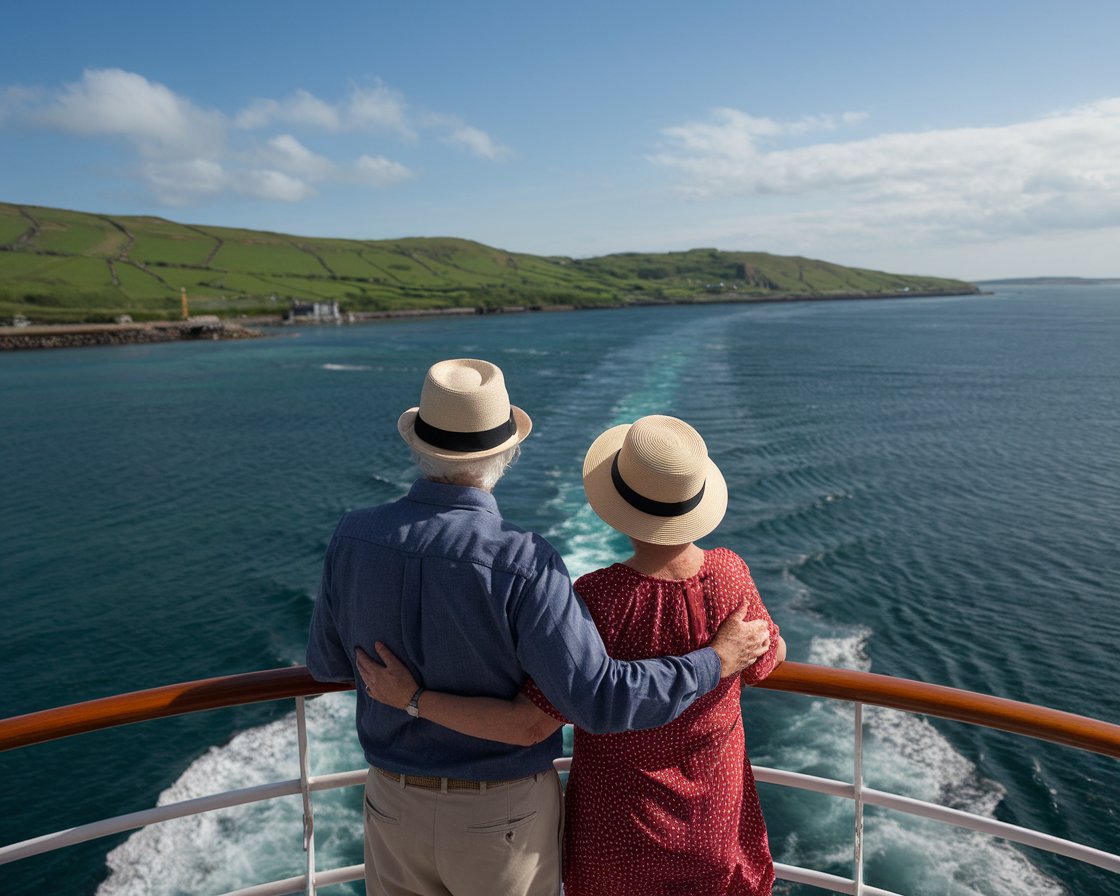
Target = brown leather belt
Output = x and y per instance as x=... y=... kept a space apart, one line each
x=427 y=782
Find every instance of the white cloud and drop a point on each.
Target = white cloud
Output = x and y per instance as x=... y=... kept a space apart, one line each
x=379 y=171
x=369 y=110
x=734 y=133
x=477 y=142
x=184 y=182
x=275 y=185
x=187 y=154
x=1061 y=171
x=378 y=109
x=301 y=108
x=285 y=153
x=116 y=103
x=187 y=182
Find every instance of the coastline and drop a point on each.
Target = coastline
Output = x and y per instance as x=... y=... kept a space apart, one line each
x=40 y=336
x=45 y=336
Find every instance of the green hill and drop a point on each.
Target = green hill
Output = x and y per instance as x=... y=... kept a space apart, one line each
x=60 y=266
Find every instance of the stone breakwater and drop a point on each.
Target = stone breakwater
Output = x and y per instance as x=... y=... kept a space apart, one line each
x=210 y=327
x=74 y=335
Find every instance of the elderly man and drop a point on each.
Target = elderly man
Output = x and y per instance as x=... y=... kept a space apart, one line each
x=474 y=605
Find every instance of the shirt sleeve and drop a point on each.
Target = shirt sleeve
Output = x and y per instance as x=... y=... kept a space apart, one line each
x=560 y=647
x=327 y=659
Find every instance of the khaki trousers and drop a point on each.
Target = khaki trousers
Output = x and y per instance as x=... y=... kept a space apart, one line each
x=503 y=840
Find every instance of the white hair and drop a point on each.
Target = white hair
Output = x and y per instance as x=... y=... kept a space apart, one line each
x=482 y=473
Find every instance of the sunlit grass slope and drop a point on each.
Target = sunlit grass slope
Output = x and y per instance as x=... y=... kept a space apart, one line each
x=66 y=266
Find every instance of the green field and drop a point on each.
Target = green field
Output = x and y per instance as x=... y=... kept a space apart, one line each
x=59 y=266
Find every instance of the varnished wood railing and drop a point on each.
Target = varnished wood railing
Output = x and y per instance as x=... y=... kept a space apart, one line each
x=948 y=703
x=157 y=703
x=799 y=678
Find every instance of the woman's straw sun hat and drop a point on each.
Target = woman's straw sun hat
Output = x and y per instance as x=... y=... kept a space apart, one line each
x=464 y=412
x=653 y=480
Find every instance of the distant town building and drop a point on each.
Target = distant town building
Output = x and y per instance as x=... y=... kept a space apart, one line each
x=314 y=312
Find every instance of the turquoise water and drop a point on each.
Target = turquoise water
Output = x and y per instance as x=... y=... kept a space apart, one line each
x=923 y=488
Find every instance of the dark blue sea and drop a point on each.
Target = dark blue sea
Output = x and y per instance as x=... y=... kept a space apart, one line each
x=926 y=488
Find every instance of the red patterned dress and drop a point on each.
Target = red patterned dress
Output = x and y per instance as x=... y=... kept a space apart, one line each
x=673 y=809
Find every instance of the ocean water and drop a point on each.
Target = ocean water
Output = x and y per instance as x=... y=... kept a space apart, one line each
x=927 y=488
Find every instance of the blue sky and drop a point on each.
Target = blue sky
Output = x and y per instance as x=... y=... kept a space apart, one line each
x=972 y=140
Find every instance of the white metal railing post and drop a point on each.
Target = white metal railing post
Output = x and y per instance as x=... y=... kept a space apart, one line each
x=305 y=789
x=857 y=785
x=308 y=883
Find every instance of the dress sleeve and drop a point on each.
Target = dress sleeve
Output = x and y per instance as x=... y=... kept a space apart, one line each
x=560 y=648
x=542 y=703
x=764 y=665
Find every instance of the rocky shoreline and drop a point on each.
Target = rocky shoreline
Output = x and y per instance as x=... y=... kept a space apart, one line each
x=75 y=335
x=72 y=335
x=36 y=336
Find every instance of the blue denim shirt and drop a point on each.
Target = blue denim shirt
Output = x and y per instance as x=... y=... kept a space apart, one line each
x=474 y=605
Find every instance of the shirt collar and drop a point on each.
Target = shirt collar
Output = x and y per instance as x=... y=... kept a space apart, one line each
x=442 y=494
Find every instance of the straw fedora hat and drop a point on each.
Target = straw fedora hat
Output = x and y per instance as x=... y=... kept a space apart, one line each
x=653 y=480
x=464 y=412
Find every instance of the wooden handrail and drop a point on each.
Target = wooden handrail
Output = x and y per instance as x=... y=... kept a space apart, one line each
x=799 y=678
x=948 y=703
x=158 y=703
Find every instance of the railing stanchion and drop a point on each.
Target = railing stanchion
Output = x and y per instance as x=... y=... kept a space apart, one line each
x=857 y=782
x=305 y=789
x=857 y=688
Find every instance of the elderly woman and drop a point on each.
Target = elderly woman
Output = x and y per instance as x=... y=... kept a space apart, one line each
x=671 y=809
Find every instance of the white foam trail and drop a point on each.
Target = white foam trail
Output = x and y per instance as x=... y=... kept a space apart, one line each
x=905 y=754
x=946 y=860
x=231 y=848
x=346 y=367
x=533 y=352
x=842 y=653
x=590 y=543
x=222 y=851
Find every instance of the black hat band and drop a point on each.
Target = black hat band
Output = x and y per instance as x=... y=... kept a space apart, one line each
x=449 y=440
x=648 y=505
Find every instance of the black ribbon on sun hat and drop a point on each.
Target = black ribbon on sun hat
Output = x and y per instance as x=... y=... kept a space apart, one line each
x=450 y=440
x=648 y=505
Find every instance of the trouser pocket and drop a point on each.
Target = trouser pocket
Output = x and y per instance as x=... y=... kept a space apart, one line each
x=380 y=816
x=507 y=828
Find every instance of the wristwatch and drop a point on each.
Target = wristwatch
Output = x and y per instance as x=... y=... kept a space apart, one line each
x=413 y=708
